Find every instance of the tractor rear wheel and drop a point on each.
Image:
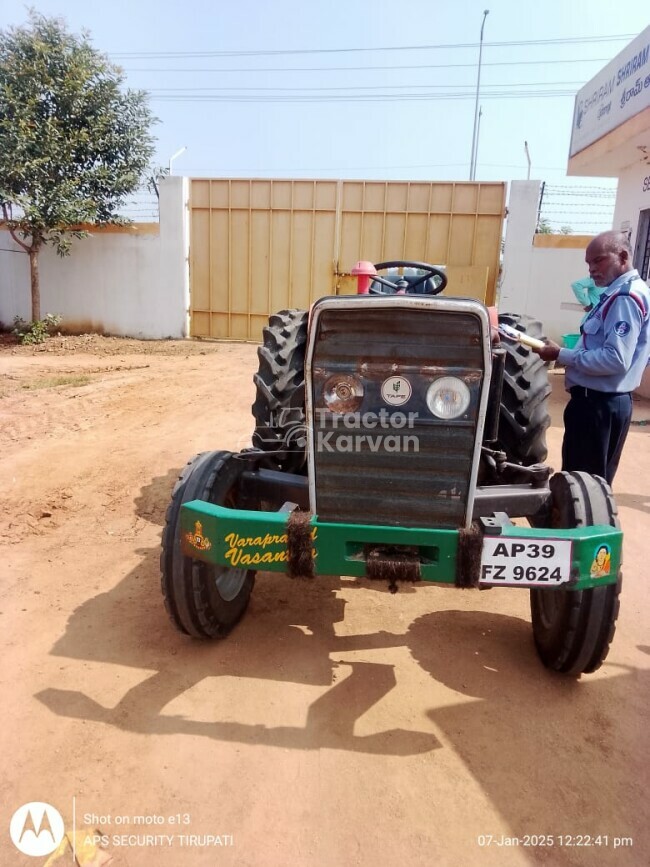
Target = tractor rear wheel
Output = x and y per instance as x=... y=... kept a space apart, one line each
x=524 y=415
x=203 y=600
x=574 y=628
x=279 y=408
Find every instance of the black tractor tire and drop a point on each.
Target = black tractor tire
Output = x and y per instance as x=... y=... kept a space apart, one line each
x=279 y=408
x=573 y=629
x=203 y=600
x=524 y=415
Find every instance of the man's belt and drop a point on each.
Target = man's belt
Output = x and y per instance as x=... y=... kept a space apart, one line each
x=583 y=391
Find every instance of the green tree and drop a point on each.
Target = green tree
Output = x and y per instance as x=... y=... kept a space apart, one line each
x=544 y=228
x=74 y=143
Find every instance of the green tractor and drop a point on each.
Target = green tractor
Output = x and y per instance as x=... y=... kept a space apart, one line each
x=395 y=439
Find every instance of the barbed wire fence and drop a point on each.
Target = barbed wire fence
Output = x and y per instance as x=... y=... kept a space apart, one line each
x=142 y=205
x=563 y=208
x=575 y=209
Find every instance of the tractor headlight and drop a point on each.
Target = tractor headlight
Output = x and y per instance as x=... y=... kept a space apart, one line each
x=448 y=397
x=343 y=393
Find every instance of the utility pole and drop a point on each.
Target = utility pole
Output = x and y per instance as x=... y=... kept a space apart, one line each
x=478 y=135
x=528 y=158
x=472 y=162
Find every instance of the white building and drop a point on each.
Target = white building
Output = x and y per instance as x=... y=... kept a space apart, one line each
x=611 y=138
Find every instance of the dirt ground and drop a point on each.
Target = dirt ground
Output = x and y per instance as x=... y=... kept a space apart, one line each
x=338 y=724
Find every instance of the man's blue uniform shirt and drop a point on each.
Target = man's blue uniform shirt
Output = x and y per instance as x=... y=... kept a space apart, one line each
x=614 y=345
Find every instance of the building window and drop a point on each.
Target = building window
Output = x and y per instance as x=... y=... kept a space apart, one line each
x=642 y=249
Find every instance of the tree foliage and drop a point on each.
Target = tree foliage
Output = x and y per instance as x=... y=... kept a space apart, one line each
x=544 y=228
x=74 y=143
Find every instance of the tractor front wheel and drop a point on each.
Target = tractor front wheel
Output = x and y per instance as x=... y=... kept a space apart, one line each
x=574 y=628
x=203 y=600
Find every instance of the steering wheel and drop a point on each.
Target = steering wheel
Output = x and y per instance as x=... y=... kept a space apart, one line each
x=403 y=286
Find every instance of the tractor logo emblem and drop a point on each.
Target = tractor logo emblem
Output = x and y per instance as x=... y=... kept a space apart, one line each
x=197 y=539
x=396 y=390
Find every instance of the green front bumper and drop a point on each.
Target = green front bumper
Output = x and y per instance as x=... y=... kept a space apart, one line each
x=242 y=539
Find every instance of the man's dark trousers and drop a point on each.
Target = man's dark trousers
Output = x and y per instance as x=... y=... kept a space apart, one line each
x=595 y=428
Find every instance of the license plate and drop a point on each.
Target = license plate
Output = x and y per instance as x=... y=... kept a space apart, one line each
x=522 y=561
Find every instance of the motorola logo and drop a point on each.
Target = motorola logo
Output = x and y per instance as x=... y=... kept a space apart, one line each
x=36 y=828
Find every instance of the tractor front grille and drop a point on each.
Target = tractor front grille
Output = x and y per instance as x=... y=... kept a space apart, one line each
x=406 y=467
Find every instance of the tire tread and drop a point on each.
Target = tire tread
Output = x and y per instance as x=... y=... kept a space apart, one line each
x=524 y=416
x=280 y=384
x=184 y=581
x=588 y=619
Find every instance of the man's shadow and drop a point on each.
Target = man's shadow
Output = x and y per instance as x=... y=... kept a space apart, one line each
x=640 y=502
x=555 y=755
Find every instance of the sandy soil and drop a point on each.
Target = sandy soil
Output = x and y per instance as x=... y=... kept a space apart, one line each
x=337 y=725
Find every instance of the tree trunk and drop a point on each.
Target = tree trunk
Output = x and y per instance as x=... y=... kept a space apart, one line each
x=35 y=279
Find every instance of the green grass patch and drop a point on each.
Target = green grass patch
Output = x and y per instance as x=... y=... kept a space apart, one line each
x=58 y=381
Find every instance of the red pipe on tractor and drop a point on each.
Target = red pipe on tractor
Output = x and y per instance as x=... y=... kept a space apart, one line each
x=364 y=272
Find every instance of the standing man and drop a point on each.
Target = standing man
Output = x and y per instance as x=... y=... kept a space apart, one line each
x=587 y=293
x=608 y=361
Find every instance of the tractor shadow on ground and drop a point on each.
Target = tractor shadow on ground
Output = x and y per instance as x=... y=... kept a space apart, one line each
x=287 y=635
x=152 y=501
x=527 y=737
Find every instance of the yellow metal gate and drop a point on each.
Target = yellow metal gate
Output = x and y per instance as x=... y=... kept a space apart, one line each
x=258 y=246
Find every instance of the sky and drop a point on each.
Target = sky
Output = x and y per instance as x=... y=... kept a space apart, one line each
x=363 y=88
